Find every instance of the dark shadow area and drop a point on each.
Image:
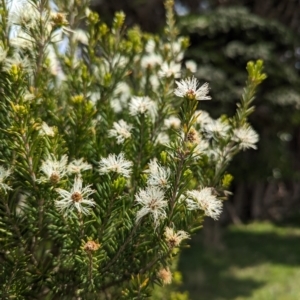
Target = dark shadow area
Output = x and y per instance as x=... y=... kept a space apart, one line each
x=210 y=275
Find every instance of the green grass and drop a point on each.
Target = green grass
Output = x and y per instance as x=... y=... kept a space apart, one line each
x=260 y=261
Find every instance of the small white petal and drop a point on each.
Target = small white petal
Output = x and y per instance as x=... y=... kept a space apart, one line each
x=246 y=136
x=76 y=199
x=115 y=163
x=206 y=201
x=188 y=88
x=152 y=201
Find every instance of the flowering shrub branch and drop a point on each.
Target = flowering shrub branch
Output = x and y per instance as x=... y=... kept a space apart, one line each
x=107 y=165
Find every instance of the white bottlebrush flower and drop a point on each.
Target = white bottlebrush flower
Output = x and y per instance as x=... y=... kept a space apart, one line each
x=151 y=60
x=168 y=70
x=206 y=201
x=158 y=175
x=173 y=238
x=115 y=163
x=176 y=48
x=121 y=131
x=16 y=60
x=46 y=130
x=162 y=139
x=217 y=128
x=246 y=136
x=191 y=66
x=118 y=61
x=150 y=46
x=78 y=165
x=142 y=105
x=165 y=275
x=120 y=98
x=154 y=82
x=81 y=36
x=22 y=40
x=188 y=88
x=152 y=201
x=3 y=175
x=172 y=122
x=116 y=105
x=25 y=14
x=221 y=156
x=122 y=91
x=201 y=148
x=76 y=199
x=202 y=118
x=54 y=169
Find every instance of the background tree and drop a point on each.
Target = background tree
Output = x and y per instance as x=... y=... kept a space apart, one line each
x=224 y=35
x=150 y=14
x=221 y=41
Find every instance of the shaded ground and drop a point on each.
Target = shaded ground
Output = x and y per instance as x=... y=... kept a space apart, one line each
x=261 y=261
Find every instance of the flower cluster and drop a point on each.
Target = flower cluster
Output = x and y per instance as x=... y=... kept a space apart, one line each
x=106 y=166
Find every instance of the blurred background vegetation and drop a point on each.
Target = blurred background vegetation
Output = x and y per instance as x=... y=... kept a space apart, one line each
x=228 y=259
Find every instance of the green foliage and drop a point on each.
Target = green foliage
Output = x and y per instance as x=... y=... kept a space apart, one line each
x=106 y=168
x=222 y=41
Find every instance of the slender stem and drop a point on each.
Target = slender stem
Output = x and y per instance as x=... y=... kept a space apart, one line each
x=121 y=249
x=90 y=271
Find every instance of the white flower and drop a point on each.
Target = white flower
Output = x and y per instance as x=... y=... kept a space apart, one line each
x=152 y=201
x=168 y=70
x=188 y=88
x=116 y=105
x=121 y=130
x=142 y=105
x=78 y=165
x=150 y=60
x=77 y=198
x=162 y=139
x=22 y=40
x=206 y=201
x=191 y=65
x=118 y=61
x=150 y=46
x=201 y=148
x=165 y=275
x=173 y=238
x=221 y=156
x=246 y=136
x=121 y=95
x=154 y=81
x=217 y=128
x=25 y=14
x=46 y=130
x=176 y=48
x=3 y=175
x=158 y=175
x=81 y=36
x=16 y=60
x=172 y=122
x=203 y=118
x=54 y=169
x=122 y=91
x=115 y=163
